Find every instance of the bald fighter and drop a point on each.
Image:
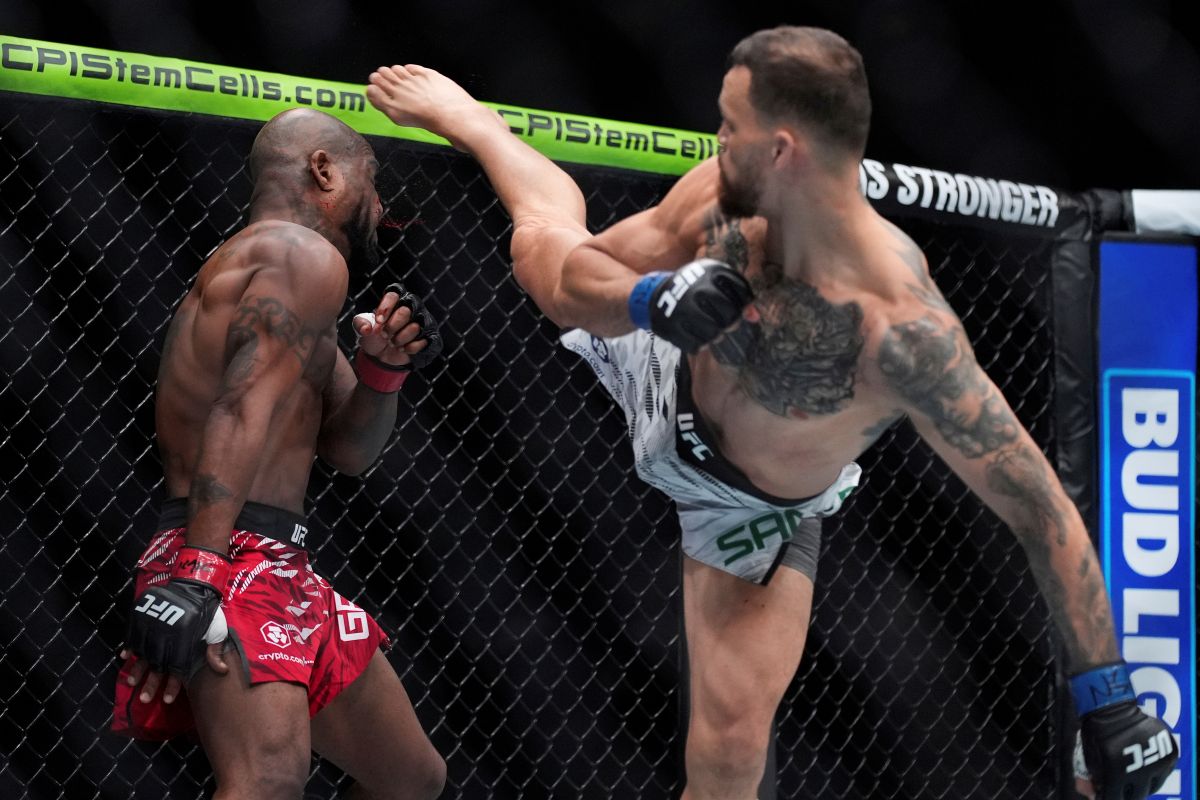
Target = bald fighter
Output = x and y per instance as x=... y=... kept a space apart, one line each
x=761 y=327
x=232 y=633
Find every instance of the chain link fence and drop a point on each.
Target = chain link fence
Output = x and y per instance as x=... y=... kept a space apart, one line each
x=529 y=580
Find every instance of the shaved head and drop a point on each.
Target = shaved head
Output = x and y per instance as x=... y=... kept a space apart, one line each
x=315 y=170
x=284 y=144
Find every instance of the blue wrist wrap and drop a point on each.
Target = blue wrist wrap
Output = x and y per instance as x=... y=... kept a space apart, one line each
x=639 y=298
x=1100 y=687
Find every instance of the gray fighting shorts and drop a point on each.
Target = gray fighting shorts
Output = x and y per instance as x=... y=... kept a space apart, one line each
x=726 y=522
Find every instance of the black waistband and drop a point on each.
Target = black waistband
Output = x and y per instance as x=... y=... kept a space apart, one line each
x=274 y=523
x=695 y=443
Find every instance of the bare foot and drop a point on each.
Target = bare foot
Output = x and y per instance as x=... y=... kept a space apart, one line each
x=416 y=96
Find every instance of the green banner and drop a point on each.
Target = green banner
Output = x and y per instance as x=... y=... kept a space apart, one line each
x=132 y=79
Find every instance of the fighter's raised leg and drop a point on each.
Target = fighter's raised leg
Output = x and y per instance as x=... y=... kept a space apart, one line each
x=546 y=206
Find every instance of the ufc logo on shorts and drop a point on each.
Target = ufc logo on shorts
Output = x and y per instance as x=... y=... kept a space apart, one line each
x=163 y=610
x=684 y=279
x=298 y=534
x=1142 y=755
x=352 y=620
x=687 y=425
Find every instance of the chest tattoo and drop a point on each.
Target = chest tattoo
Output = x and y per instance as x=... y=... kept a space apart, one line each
x=801 y=357
x=725 y=241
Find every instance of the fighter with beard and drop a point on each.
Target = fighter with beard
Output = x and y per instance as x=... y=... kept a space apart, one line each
x=799 y=327
x=251 y=386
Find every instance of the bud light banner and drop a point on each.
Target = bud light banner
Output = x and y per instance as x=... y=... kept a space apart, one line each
x=1147 y=341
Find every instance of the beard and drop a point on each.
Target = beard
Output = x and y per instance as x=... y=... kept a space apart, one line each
x=737 y=199
x=365 y=253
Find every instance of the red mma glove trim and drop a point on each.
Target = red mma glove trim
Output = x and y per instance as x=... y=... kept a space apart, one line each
x=202 y=565
x=375 y=374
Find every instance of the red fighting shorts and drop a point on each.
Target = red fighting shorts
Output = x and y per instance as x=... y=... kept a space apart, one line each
x=285 y=621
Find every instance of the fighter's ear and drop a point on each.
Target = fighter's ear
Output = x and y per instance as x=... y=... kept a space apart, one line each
x=787 y=148
x=323 y=171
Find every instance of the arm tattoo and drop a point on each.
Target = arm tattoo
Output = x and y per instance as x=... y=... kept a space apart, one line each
x=1020 y=473
x=930 y=366
x=242 y=363
x=205 y=491
x=924 y=289
x=931 y=298
x=277 y=321
x=873 y=432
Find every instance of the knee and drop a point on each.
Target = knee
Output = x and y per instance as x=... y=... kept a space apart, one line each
x=263 y=782
x=730 y=756
x=275 y=770
x=727 y=747
x=432 y=776
x=424 y=779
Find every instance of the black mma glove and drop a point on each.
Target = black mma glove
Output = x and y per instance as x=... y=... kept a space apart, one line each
x=1129 y=753
x=691 y=306
x=385 y=377
x=425 y=321
x=173 y=623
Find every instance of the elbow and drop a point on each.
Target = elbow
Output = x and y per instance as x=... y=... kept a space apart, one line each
x=348 y=467
x=352 y=469
x=346 y=460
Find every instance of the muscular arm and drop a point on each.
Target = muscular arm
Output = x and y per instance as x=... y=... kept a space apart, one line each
x=930 y=366
x=599 y=274
x=357 y=423
x=290 y=303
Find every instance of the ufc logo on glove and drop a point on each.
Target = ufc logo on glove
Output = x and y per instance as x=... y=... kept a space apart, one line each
x=1155 y=748
x=162 y=610
x=684 y=279
x=691 y=306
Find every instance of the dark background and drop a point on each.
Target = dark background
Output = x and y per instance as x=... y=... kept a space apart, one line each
x=479 y=545
x=1071 y=93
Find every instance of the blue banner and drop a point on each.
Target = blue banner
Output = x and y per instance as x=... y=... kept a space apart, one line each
x=1147 y=342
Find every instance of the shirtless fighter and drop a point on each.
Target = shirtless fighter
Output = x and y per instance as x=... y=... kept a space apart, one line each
x=251 y=386
x=799 y=326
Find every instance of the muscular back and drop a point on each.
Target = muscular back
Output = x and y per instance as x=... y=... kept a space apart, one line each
x=252 y=344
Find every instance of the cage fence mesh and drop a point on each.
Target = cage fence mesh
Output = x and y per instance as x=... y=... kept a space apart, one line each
x=529 y=581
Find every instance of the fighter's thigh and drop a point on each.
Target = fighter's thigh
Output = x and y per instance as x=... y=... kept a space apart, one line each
x=371 y=732
x=744 y=641
x=256 y=737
